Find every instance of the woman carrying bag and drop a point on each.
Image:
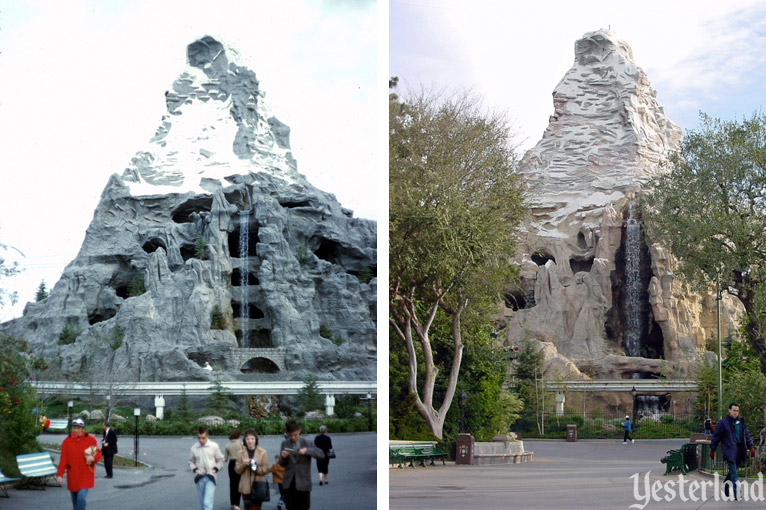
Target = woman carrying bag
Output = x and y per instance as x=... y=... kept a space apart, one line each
x=252 y=465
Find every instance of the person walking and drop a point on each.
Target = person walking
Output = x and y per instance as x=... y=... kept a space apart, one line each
x=626 y=426
x=732 y=434
x=108 y=447
x=296 y=453
x=252 y=465
x=277 y=474
x=230 y=456
x=205 y=462
x=324 y=443
x=79 y=455
x=708 y=426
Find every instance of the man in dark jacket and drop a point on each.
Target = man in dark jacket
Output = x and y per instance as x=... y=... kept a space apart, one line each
x=732 y=434
x=108 y=447
x=295 y=456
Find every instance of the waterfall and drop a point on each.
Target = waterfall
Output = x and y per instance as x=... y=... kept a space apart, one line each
x=632 y=328
x=244 y=241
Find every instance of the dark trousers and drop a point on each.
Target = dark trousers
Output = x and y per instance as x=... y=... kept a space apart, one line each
x=626 y=437
x=233 y=484
x=295 y=499
x=108 y=460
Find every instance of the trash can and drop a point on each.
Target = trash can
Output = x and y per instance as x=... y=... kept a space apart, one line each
x=571 y=433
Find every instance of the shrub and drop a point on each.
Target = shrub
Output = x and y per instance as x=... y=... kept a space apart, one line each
x=217 y=319
x=136 y=285
x=69 y=334
x=116 y=337
x=324 y=331
x=302 y=254
x=200 y=248
x=309 y=398
x=365 y=275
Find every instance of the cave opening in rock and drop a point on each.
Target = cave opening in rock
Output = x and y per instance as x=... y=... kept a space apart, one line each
x=258 y=338
x=260 y=366
x=100 y=315
x=252 y=240
x=236 y=278
x=253 y=311
x=187 y=251
x=581 y=266
x=330 y=251
x=291 y=204
x=581 y=242
x=541 y=258
x=152 y=244
x=515 y=300
x=182 y=213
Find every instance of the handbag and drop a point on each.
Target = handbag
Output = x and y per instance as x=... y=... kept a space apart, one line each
x=330 y=453
x=260 y=491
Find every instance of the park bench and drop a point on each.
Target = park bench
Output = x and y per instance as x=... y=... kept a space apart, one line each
x=684 y=459
x=413 y=451
x=4 y=480
x=58 y=424
x=36 y=469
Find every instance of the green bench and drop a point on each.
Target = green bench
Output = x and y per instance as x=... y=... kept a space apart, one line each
x=412 y=452
x=684 y=459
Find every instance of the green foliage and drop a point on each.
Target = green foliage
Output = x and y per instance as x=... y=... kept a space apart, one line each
x=217 y=319
x=219 y=402
x=706 y=377
x=365 y=275
x=748 y=389
x=69 y=334
x=302 y=254
x=136 y=285
x=324 y=331
x=455 y=201
x=346 y=405
x=529 y=373
x=17 y=400
x=309 y=398
x=42 y=292
x=184 y=411
x=116 y=337
x=709 y=209
x=200 y=248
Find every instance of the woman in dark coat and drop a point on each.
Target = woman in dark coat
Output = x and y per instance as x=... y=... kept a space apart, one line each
x=324 y=443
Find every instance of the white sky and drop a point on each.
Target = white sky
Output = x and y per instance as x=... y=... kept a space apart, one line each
x=707 y=55
x=82 y=89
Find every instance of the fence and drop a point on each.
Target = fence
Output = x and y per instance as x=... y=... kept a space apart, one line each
x=719 y=465
x=603 y=426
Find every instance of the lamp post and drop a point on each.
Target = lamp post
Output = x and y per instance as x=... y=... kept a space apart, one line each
x=718 y=320
x=633 y=392
x=462 y=399
x=69 y=406
x=108 y=407
x=369 y=411
x=136 y=413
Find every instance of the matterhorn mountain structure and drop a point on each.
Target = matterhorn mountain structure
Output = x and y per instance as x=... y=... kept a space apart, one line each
x=601 y=300
x=212 y=247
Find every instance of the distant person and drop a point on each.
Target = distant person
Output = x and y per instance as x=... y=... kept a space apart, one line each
x=207 y=366
x=324 y=443
x=108 y=447
x=708 y=427
x=79 y=455
x=626 y=426
x=230 y=456
x=296 y=453
x=277 y=474
x=252 y=465
x=732 y=434
x=205 y=462
x=44 y=422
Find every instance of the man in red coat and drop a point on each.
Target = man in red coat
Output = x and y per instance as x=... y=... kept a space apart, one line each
x=79 y=464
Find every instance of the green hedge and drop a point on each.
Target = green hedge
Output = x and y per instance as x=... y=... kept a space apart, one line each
x=262 y=427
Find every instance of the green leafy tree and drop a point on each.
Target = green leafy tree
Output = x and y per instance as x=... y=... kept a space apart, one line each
x=42 y=292
x=455 y=201
x=529 y=373
x=217 y=319
x=17 y=399
x=184 y=413
x=219 y=402
x=709 y=209
x=309 y=398
x=346 y=406
x=69 y=334
x=200 y=248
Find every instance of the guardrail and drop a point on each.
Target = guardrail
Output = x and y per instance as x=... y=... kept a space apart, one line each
x=203 y=388
x=640 y=385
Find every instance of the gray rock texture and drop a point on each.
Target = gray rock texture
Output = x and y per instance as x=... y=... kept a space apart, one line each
x=606 y=139
x=164 y=250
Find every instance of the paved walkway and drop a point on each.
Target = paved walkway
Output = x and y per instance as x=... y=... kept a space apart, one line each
x=583 y=475
x=168 y=485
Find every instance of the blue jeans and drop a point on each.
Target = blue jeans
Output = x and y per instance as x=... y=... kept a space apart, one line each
x=732 y=476
x=206 y=493
x=78 y=499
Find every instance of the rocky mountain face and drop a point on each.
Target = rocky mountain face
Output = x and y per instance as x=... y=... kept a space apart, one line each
x=212 y=247
x=603 y=302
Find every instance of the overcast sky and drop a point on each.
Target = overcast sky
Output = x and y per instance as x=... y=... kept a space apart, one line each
x=704 y=55
x=83 y=85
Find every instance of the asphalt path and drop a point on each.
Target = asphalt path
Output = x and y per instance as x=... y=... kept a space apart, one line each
x=169 y=484
x=579 y=475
